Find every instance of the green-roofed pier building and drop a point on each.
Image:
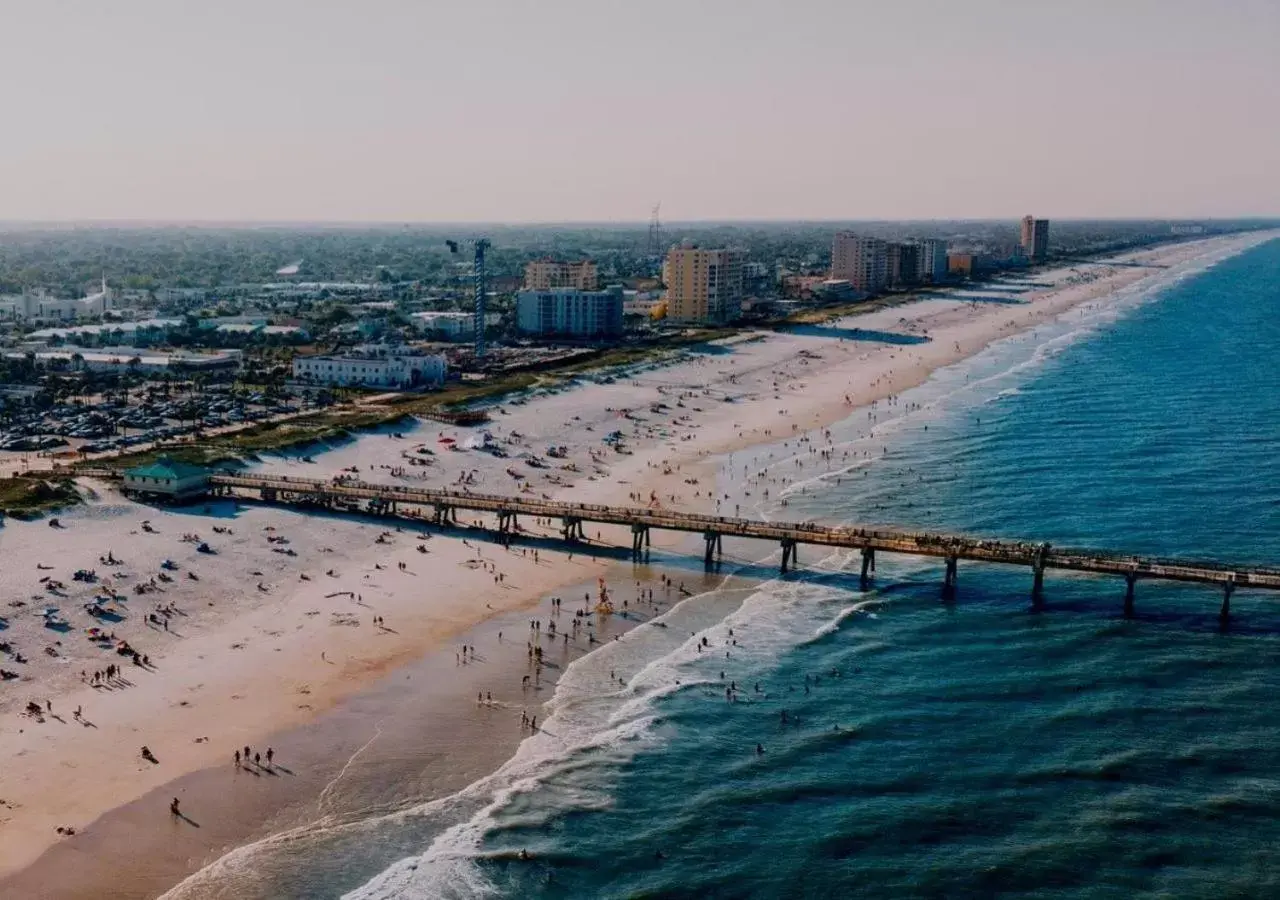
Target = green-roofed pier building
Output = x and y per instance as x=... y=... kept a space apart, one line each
x=166 y=479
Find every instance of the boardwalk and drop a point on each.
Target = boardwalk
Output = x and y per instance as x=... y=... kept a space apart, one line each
x=442 y=507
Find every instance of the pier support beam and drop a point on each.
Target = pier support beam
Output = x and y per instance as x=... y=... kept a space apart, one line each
x=506 y=526
x=572 y=529
x=639 y=539
x=1037 y=584
x=714 y=548
x=1224 y=615
x=949 y=580
x=1129 y=582
x=789 y=555
x=868 y=565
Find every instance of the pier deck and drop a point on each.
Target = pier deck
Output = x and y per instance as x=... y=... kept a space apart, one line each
x=1039 y=557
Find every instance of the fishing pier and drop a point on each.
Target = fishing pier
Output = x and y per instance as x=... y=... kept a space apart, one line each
x=442 y=506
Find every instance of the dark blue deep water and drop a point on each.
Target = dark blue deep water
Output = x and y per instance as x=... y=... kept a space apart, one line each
x=967 y=749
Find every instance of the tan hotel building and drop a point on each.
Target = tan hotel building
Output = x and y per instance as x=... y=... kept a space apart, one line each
x=703 y=285
x=553 y=275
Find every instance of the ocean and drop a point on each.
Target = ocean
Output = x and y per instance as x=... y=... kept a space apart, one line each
x=827 y=741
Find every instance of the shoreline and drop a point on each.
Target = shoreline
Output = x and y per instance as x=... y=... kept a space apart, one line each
x=956 y=331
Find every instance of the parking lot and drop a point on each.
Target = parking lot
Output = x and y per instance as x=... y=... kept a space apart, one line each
x=102 y=424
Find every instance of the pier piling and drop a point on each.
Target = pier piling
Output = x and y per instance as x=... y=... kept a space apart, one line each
x=949 y=580
x=1129 y=581
x=1037 y=568
x=639 y=539
x=714 y=548
x=868 y=565
x=788 y=554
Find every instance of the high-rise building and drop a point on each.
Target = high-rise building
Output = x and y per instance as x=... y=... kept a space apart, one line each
x=903 y=262
x=703 y=285
x=570 y=312
x=861 y=261
x=1035 y=238
x=931 y=260
x=553 y=275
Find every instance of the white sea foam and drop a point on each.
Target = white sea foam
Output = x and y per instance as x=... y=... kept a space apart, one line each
x=772 y=620
x=1012 y=358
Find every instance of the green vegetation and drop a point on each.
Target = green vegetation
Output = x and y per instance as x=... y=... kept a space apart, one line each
x=330 y=425
x=26 y=498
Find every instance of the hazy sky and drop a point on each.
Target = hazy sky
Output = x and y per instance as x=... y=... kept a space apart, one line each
x=559 y=110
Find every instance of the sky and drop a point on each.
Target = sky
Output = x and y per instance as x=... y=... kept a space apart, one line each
x=595 y=110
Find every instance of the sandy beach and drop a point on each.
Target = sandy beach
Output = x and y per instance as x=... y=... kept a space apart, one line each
x=296 y=625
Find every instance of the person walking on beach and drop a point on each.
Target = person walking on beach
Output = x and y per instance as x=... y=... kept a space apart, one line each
x=271 y=754
x=237 y=759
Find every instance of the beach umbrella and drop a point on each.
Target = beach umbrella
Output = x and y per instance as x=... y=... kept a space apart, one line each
x=49 y=611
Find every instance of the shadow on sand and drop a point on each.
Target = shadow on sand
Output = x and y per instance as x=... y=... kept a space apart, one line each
x=856 y=334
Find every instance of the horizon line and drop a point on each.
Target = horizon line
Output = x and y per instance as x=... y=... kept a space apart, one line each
x=140 y=222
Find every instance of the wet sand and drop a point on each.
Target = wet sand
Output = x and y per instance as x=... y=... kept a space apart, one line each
x=418 y=734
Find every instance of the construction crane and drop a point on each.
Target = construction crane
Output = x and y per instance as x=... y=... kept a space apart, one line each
x=478 y=283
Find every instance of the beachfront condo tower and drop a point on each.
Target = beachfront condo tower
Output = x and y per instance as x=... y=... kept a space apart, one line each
x=1035 y=238
x=861 y=261
x=703 y=286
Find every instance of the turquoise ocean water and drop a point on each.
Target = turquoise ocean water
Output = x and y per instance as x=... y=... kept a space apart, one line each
x=969 y=749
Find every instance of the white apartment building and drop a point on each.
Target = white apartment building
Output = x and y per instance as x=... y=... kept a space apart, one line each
x=570 y=313
x=373 y=366
x=861 y=261
x=931 y=260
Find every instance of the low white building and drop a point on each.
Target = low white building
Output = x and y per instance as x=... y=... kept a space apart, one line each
x=246 y=329
x=640 y=303
x=146 y=331
x=453 y=326
x=124 y=358
x=380 y=367
x=40 y=307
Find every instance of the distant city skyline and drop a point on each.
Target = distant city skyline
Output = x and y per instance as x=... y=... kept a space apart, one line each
x=591 y=111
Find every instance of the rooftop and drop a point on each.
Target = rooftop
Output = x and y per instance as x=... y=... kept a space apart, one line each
x=167 y=468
